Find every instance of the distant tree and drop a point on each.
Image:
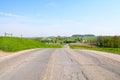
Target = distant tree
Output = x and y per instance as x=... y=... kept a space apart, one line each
x=89 y=35
x=116 y=40
x=77 y=35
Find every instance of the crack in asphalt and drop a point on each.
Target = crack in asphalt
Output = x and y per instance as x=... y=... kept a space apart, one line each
x=84 y=75
x=102 y=62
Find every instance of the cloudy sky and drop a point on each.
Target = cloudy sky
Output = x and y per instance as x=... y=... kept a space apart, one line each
x=59 y=17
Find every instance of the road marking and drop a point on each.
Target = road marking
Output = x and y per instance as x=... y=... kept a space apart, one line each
x=46 y=72
x=50 y=67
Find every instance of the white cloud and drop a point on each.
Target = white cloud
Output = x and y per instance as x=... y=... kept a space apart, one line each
x=9 y=14
x=51 y=4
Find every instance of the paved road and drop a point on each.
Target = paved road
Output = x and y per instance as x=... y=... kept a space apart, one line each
x=59 y=64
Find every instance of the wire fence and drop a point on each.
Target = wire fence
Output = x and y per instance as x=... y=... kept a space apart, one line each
x=11 y=35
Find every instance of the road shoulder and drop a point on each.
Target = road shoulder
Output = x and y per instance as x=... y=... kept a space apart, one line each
x=105 y=54
x=8 y=55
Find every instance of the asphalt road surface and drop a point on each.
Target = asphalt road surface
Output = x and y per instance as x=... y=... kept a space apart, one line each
x=59 y=64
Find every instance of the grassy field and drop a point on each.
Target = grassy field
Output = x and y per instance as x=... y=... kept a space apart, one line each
x=111 y=50
x=11 y=44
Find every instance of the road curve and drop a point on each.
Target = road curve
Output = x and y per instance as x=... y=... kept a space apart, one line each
x=59 y=64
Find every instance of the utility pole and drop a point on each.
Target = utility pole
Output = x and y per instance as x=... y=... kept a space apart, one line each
x=11 y=34
x=21 y=35
x=5 y=34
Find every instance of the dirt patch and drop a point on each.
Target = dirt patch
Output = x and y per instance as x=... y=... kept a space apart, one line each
x=2 y=54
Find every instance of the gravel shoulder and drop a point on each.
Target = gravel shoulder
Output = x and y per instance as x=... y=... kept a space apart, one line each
x=7 y=55
x=2 y=54
x=105 y=54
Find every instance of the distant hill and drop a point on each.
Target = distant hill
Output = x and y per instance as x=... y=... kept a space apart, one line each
x=78 y=35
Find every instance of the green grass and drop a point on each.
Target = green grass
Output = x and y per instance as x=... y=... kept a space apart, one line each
x=111 y=50
x=11 y=44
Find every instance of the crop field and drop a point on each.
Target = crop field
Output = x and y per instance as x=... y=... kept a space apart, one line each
x=11 y=44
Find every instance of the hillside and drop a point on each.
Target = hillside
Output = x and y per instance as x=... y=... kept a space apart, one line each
x=11 y=44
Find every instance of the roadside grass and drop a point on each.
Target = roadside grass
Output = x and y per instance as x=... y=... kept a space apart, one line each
x=12 y=44
x=111 y=50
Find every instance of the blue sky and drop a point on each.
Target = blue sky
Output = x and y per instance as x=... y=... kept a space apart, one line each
x=59 y=17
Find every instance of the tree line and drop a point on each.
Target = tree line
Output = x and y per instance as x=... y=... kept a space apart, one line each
x=109 y=41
